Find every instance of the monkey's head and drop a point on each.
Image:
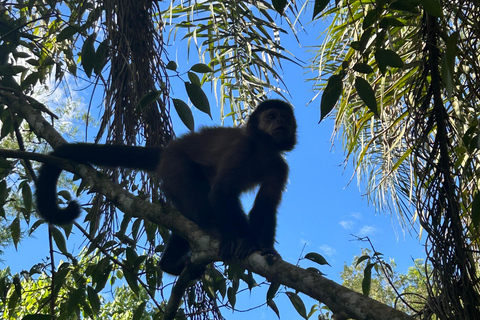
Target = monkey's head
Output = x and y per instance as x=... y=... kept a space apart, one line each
x=274 y=119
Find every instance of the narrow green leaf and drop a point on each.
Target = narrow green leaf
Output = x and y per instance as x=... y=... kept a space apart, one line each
x=93 y=299
x=132 y=281
x=27 y=196
x=274 y=307
x=198 y=97
x=319 y=6
x=272 y=290
x=149 y=98
x=100 y=57
x=330 y=95
x=315 y=257
x=389 y=58
x=15 y=231
x=59 y=240
x=67 y=33
x=367 y=94
x=298 y=304
x=367 y=279
x=232 y=297
x=201 y=68
x=476 y=212
x=37 y=316
x=448 y=63
x=185 y=113
x=138 y=313
x=361 y=259
x=88 y=55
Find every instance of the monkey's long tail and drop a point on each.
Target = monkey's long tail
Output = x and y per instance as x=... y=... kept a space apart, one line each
x=143 y=158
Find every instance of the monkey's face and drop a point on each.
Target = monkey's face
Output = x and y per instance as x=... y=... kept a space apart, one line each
x=279 y=124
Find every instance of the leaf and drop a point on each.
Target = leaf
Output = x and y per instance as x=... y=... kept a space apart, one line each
x=37 y=317
x=88 y=55
x=171 y=65
x=330 y=95
x=367 y=94
x=59 y=240
x=448 y=63
x=361 y=259
x=15 y=231
x=363 y=68
x=201 y=68
x=27 y=196
x=67 y=33
x=298 y=304
x=272 y=290
x=194 y=78
x=198 y=97
x=476 y=211
x=274 y=307
x=279 y=5
x=388 y=57
x=132 y=281
x=433 y=7
x=367 y=279
x=100 y=57
x=318 y=258
x=319 y=6
x=185 y=113
x=149 y=98
x=232 y=297
x=93 y=299
x=138 y=313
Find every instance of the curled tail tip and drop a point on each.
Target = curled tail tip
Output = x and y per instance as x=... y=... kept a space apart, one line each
x=61 y=216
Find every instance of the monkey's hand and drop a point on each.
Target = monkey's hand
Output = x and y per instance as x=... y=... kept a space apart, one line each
x=239 y=247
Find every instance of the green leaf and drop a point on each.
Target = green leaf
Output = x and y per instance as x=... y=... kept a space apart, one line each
x=198 y=97
x=315 y=257
x=149 y=98
x=185 y=113
x=100 y=57
x=319 y=6
x=194 y=78
x=138 y=313
x=171 y=65
x=93 y=299
x=59 y=240
x=67 y=33
x=272 y=290
x=201 y=68
x=15 y=231
x=363 y=68
x=448 y=63
x=433 y=7
x=389 y=58
x=367 y=279
x=330 y=95
x=27 y=196
x=88 y=55
x=367 y=94
x=476 y=212
x=132 y=281
x=274 y=307
x=361 y=259
x=298 y=304
x=37 y=317
x=279 y=5
x=232 y=296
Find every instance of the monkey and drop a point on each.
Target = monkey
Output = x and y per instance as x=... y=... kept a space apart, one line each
x=203 y=174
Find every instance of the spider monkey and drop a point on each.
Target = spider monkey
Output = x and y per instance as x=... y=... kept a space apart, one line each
x=203 y=174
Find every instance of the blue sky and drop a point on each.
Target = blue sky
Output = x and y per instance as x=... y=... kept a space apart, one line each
x=321 y=208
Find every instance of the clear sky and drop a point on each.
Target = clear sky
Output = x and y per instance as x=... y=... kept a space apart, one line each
x=320 y=209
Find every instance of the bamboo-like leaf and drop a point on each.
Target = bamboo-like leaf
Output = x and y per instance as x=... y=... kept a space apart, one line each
x=330 y=95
